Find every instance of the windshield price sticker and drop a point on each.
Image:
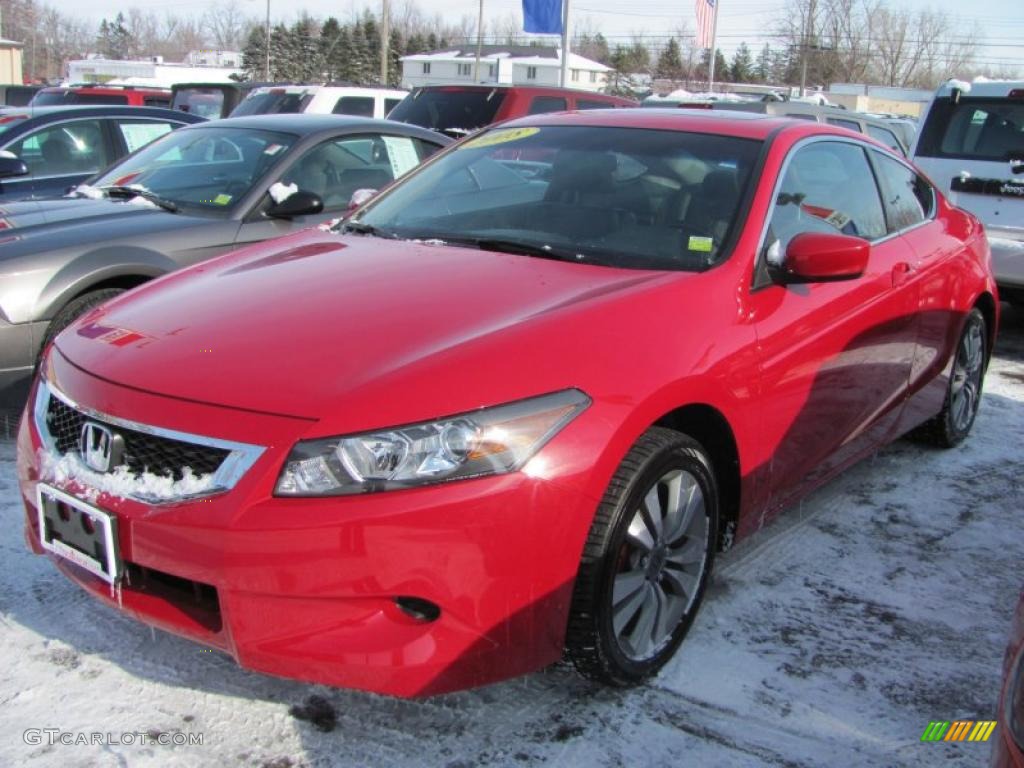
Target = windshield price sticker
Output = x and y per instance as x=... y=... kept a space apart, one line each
x=700 y=244
x=401 y=154
x=500 y=136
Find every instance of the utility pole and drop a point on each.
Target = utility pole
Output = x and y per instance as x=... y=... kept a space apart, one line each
x=808 y=32
x=564 y=77
x=385 y=45
x=479 y=42
x=714 y=49
x=266 y=68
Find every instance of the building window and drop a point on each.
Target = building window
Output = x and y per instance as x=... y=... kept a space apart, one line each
x=465 y=70
x=490 y=70
x=575 y=75
x=531 y=73
x=593 y=77
x=426 y=68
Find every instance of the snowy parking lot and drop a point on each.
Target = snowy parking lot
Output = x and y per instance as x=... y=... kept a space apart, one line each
x=831 y=638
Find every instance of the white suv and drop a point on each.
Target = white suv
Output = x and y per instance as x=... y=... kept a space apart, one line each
x=319 y=99
x=971 y=144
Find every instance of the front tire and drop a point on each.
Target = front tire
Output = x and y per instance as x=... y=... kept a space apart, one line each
x=71 y=312
x=963 y=395
x=646 y=562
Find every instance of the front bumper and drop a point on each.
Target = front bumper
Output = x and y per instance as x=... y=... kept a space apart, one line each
x=307 y=588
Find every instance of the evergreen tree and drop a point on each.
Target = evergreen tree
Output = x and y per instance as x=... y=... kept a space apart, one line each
x=254 y=54
x=432 y=42
x=601 y=52
x=763 y=70
x=282 y=67
x=742 y=67
x=304 y=44
x=670 y=63
x=360 y=69
x=371 y=33
x=721 y=65
x=395 y=47
x=328 y=44
x=114 y=40
x=415 y=44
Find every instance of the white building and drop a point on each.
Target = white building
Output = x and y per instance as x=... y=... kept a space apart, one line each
x=153 y=72
x=502 y=65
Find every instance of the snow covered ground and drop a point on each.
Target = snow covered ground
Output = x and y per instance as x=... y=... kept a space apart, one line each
x=832 y=638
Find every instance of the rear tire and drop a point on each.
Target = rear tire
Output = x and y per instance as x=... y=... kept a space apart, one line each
x=646 y=562
x=72 y=311
x=963 y=395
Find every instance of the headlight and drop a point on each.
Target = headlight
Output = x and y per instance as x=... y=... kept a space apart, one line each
x=490 y=441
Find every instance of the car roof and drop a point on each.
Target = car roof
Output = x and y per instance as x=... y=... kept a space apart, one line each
x=94 y=110
x=553 y=89
x=749 y=125
x=305 y=123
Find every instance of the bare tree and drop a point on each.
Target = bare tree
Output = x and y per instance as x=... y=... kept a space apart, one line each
x=226 y=25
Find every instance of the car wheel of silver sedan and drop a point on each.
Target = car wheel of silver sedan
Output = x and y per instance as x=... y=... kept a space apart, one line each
x=646 y=562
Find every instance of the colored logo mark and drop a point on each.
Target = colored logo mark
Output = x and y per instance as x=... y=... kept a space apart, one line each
x=958 y=730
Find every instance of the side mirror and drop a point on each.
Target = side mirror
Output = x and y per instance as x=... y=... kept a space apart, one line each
x=297 y=204
x=11 y=166
x=820 y=258
x=359 y=197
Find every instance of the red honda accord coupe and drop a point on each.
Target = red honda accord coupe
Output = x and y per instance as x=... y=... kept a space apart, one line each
x=512 y=407
x=1008 y=746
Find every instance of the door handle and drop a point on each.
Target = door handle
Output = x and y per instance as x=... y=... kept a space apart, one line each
x=901 y=272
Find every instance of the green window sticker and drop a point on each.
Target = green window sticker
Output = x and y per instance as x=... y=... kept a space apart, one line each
x=222 y=199
x=700 y=244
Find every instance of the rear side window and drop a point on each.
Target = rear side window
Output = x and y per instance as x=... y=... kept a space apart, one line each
x=157 y=101
x=97 y=98
x=138 y=133
x=205 y=102
x=18 y=97
x=542 y=104
x=887 y=137
x=908 y=198
x=850 y=125
x=828 y=188
x=390 y=104
x=974 y=129
x=359 y=106
x=67 y=148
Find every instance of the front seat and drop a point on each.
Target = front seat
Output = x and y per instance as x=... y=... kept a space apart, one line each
x=713 y=207
x=58 y=154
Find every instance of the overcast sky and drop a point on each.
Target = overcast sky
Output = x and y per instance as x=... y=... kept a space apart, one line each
x=1002 y=21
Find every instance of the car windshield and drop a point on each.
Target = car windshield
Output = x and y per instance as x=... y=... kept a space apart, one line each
x=209 y=168
x=975 y=129
x=273 y=102
x=624 y=197
x=449 y=109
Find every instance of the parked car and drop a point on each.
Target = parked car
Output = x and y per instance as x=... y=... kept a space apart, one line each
x=17 y=95
x=188 y=196
x=457 y=110
x=971 y=144
x=209 y=100
x=877 y=128
x=320 y=100
x=130 y=95
x=46 y=150
x=1008 y=746
x=511 y=407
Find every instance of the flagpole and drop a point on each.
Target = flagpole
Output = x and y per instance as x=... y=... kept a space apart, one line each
x=565 y=43
x=711 y=60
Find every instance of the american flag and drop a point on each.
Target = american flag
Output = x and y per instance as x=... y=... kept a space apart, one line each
x=705 y=22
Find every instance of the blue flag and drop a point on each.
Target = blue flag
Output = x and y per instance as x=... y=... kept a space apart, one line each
x=542 y=17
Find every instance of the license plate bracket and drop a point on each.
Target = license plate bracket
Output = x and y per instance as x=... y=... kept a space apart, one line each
x=79 y=532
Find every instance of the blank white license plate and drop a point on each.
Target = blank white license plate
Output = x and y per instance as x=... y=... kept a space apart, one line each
x=79 y=532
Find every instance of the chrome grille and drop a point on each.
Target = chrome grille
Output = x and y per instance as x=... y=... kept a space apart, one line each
x=143 y=452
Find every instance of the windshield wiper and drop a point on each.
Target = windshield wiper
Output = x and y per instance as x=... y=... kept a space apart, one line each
x=365 y=229
x=518 y=247
x=145 y=194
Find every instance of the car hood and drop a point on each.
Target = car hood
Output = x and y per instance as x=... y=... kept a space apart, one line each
x=50 y=224
x=315 y=321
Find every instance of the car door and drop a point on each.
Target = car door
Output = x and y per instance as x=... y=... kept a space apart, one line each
x=58 y=155
x=910 y=203
x=835 y=356
x=333 y=170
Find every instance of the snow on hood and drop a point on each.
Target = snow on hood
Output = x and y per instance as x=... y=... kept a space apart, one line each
x=122 y=482
x=281 y=192
x=85 y=190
